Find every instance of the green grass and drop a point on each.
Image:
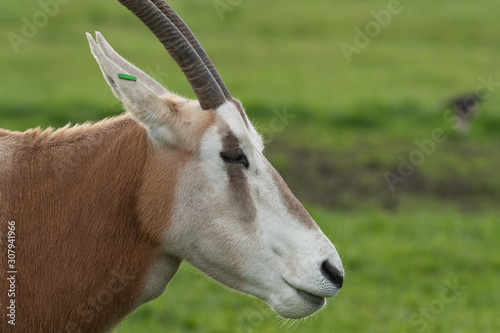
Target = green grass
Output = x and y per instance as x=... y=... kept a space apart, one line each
x=396 y=263
x=349 y=124
x=271 y=54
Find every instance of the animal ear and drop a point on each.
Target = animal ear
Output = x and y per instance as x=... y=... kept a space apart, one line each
x=139 y=98
x=112 y=55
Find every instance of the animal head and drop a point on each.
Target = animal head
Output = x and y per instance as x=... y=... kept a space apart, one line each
x=223 y=207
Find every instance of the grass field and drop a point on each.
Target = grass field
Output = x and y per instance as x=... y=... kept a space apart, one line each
x=420 y=256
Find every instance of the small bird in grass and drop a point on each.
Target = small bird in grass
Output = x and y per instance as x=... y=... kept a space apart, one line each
x=465 y=107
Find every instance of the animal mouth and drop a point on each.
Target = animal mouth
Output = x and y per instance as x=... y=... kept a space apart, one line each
x=315 y=300
x=318 y=301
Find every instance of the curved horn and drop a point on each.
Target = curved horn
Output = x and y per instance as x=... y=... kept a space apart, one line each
x=184 y=29
x=203 y=83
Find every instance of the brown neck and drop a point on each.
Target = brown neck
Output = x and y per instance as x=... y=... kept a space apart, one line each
x=81 y=256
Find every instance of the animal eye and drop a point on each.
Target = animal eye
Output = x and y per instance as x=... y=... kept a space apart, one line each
x=235 y=155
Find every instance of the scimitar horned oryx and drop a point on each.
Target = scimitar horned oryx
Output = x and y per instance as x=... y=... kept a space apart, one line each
x=103 y=214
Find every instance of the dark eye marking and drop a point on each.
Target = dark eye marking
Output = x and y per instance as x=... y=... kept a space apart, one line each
x=235 y=155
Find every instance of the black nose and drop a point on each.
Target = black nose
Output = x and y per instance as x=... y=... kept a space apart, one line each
x=333 y=274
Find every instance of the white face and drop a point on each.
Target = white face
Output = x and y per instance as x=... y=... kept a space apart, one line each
x=233 y=216
x=237 y=221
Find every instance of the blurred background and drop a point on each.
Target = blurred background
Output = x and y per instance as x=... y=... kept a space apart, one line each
x=382 y=116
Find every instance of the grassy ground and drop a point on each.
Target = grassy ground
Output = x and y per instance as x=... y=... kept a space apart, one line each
x=336 y=128
x=399 y=266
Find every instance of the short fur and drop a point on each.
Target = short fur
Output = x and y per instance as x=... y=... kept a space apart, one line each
x=105 y=212
x=101 y=169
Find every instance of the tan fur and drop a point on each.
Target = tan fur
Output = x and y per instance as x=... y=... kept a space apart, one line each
x=94 y=207
x=87 y=230
x=8 y=146
x=191 y=121
x=161 y=171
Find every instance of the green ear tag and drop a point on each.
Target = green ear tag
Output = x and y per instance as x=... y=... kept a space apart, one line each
x=127 y=77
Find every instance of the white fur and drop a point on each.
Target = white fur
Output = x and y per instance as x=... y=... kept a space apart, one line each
x=158 y=277
x=274 y=255
x=143 y=103
x=262 y=260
